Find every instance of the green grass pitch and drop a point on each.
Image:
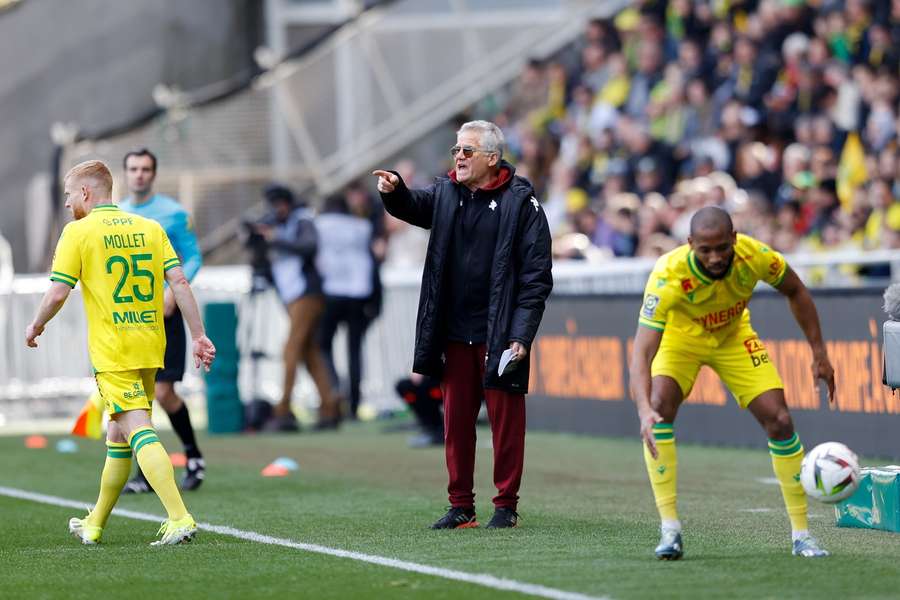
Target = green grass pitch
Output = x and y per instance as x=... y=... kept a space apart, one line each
x=588 y=525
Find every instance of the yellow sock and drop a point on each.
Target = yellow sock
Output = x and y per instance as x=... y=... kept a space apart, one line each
x=112 y=480
x=157 y=468
x=663 y=471
x=787 y=455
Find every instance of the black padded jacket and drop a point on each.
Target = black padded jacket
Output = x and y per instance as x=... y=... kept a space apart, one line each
x=521 y=278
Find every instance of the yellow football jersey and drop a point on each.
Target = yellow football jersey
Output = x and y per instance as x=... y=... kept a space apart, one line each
x=121 y=260
x=681 y=299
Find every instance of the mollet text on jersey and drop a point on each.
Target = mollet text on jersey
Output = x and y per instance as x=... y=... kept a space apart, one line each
x=126 y=240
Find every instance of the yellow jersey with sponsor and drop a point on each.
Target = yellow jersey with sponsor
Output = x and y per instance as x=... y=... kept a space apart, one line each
x=684 y=301
x=121 y=260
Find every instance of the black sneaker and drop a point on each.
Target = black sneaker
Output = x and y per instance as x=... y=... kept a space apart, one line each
x=332 y=424
x=457 y=518
x=137 y=484
x=503 y=518
x=196 y=471
x=426 y=439
x=282 y=423
x=670 y=546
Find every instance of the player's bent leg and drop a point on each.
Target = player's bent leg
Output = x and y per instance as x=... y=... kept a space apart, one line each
x=157 y=467
x=770 y=409
x=665 y=398
x=115 y=473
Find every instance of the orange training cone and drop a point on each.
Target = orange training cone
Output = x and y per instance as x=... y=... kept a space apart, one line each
x=274 y=470
x=35 y=441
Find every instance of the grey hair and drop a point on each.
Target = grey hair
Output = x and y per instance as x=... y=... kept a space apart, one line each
x=491 y=135
x=892 y=301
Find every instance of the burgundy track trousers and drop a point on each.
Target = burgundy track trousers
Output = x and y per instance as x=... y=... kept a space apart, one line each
x=463 y=391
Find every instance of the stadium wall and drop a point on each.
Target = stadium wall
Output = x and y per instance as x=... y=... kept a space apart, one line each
x=580 y=379
x=95 y=63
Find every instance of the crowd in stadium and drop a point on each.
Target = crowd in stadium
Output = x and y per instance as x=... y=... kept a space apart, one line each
x=783 y=112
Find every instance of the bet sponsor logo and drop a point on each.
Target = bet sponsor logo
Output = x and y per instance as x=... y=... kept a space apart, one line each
x=757 y=351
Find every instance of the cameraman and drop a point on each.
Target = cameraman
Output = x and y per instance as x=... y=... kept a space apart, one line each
x=292 y=242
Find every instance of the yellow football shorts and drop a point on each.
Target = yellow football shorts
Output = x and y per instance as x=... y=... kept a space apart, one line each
x=127 y=390
x=741 y=361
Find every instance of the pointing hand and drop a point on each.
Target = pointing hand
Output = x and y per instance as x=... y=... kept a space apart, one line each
x=387 y=181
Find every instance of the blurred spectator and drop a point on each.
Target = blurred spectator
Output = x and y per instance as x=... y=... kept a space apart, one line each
x=649 y=68
x=292 y=241
x=423 y=396
x=796 y=102
x=351 y=247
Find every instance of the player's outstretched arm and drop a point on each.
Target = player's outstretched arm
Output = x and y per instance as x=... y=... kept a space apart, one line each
x=646 y=343
x=804 y=309
x=202 y=348
x=52 y=301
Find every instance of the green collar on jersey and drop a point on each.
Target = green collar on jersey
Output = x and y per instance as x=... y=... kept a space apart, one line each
x=695 y=268
x=700 y=273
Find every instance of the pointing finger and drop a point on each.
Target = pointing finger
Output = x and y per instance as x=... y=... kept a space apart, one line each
x=387 y=175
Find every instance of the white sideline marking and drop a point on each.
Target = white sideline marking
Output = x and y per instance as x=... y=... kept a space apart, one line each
x=755 y=510
x=768 y=480
x=482 y=579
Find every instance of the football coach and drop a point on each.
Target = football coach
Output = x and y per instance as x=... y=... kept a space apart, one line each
x=484 y=287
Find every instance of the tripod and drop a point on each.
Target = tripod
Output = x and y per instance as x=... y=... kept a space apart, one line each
x=259 y=409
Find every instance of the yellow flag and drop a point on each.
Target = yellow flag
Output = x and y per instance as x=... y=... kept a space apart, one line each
x=851 y=169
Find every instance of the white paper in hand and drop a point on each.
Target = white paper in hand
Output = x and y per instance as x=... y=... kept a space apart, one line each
x=506 y=362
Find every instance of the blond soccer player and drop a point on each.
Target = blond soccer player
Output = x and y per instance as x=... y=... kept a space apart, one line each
x=122 y=261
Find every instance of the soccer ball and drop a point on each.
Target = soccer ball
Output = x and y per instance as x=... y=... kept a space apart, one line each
x=830 y=472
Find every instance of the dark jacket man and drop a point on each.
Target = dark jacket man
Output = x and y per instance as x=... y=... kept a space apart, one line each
x=517 y=266
x=486 y=280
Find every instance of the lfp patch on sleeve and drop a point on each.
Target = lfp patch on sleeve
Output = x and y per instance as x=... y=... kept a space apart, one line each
x=650 y=304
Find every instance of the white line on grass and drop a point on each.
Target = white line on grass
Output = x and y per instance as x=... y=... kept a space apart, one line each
x=768 y=480
x=482 y=579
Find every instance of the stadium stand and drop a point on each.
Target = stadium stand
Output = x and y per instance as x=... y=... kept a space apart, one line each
x=783 y=112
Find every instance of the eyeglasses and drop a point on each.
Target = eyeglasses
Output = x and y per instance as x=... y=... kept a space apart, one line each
x=468 y=151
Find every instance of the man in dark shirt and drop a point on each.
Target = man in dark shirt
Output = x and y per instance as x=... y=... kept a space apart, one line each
x=485 y=282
